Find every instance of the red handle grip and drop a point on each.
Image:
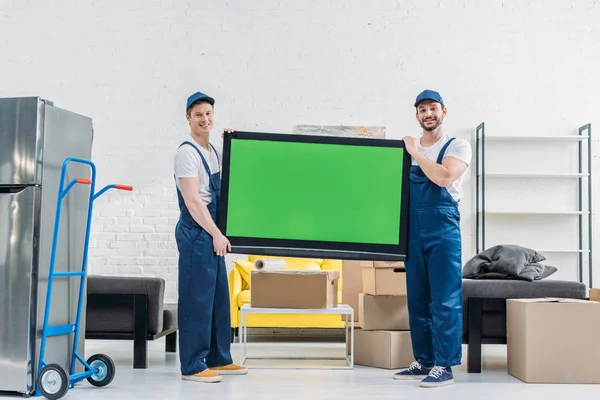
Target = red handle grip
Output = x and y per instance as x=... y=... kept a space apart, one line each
x=84 y=181
x=124 y=187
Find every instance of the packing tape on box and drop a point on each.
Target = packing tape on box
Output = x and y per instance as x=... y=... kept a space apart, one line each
x=269 y=264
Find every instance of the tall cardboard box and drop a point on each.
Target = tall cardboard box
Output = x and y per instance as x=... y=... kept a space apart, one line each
x=553 y=340
x=594 y=294
x=384 y=278
x=383 y=349
x=386 y=313
x=294 y=289
x=352 y=283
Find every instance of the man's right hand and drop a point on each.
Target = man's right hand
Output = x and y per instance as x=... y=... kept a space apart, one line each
x=228 y=130
x=221 y=245
x=411 y=145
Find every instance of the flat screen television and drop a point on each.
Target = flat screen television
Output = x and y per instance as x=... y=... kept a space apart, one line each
x=313 y=196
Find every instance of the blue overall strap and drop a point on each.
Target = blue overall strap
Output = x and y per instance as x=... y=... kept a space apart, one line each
x=216 y=154
x=443 y=151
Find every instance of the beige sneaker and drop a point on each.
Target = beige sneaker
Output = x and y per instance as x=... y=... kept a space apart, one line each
x=205 y=376
x=231 y=369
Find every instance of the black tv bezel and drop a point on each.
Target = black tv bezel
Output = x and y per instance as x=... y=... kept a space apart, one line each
x=313 y=248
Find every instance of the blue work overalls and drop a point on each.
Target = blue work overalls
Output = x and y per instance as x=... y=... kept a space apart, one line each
x=434 y=272
x=203 y=314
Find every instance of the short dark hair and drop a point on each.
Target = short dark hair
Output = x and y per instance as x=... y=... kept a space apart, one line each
x=198 y=102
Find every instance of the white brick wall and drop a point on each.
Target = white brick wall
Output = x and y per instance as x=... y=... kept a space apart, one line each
x=519 y=66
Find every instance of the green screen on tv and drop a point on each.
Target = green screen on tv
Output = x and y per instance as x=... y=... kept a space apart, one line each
x=314 y=196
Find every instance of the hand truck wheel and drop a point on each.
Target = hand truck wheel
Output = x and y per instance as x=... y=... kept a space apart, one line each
x=53 y=382
x=106 y=370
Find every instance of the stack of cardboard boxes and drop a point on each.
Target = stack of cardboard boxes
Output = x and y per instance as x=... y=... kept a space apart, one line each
x=377 y=292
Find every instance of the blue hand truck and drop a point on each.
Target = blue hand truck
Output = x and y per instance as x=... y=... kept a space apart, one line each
x=53 y=381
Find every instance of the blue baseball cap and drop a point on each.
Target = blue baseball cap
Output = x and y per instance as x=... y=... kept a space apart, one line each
x=429 y=95
x=198 y=96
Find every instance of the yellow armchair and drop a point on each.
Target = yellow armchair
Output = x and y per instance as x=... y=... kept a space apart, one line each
x=239 y=292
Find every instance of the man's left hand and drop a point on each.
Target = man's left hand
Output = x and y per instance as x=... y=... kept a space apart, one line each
x=411 y=145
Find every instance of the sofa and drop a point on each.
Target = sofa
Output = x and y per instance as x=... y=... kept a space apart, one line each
x=130 y=308
x=240 y=289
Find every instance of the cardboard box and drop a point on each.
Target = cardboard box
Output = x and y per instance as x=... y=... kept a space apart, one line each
x=553 y=340
x=594 y=294
x=383 y=349
x=384 y=279
x=384 y=313
x=294 y=289
x=352 y=283
x=388 y=264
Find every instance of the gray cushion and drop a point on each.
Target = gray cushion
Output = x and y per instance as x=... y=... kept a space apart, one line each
x=170 y=316
x=508 y=261
x=508 y=289
x=494 y=324
x=121 y=318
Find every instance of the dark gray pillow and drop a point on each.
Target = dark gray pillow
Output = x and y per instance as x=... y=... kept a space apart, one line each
x=512 y=261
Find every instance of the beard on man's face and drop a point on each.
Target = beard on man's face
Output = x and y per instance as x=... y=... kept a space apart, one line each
x=430 y=128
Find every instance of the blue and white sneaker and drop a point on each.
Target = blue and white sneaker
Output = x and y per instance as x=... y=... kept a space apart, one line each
x=414 y=371
x=438 y=376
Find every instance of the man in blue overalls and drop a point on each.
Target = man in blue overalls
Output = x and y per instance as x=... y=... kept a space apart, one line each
x=434 y=260
x=204 y=319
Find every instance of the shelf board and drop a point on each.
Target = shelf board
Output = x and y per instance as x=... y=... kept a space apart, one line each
x=537 y=212
x=562 y=251
x=540 y=250
x=563 y=138
x=533 y=175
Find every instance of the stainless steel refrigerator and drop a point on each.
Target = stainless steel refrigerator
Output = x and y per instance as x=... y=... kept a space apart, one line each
x=35 y=138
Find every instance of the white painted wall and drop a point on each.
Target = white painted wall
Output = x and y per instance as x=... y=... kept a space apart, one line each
x=522 y=67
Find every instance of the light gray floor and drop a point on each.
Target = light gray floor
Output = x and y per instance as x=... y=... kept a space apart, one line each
x=162 y=379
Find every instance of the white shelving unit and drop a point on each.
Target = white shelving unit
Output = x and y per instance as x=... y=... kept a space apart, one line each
x=584 y=136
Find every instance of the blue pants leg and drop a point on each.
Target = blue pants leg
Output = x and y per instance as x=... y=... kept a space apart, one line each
x=220 y=345
x=417 y=286
x=200 y=284
x=444 y=263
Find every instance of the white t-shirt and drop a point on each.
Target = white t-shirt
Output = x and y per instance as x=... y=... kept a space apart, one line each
x=188 y=164
x=459 y=148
